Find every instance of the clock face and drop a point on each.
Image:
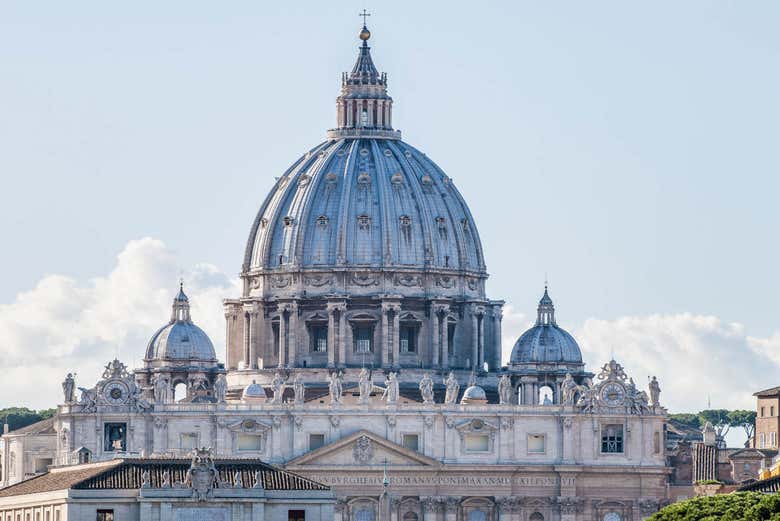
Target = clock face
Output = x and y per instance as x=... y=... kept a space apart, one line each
x=613 y=394
x=115 y=393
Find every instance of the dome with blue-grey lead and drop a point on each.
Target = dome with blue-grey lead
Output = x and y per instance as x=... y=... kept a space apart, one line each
x=363 y=253
x=546 y=342
x=180 y=339
x=364 y=198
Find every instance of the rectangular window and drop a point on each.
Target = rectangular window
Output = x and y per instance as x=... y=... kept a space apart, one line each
x=188 y=441
x=115 y=437
x=316 y=441
x=771 y=410
x=762 y=440
x=536 y=444
x=319 y=339
x=762 y=412
x=612 y=439
x=363 y=336
x=477 y=443
x=411 y=441
x=773 y=439
x=450 y=338
x=105 y=515
x=296 y=515
x=42 y=465
x=249 y=442
x=408 y=339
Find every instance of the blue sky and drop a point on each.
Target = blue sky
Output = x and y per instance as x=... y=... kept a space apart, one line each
x=626 y=149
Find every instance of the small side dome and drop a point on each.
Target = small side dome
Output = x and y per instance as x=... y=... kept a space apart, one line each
x=253 y=393
x=180 y=339
x=546 y=342
x=474 y=394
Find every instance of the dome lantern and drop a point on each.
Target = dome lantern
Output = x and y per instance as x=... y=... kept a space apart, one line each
x=364 y=108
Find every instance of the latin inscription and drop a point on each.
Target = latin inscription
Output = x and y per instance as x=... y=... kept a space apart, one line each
x=435 y=481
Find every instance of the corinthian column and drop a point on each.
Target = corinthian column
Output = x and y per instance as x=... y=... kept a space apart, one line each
x=435 y=335
x=292 y=350
x=331 y=336
x=396 y=337
x=385 y=339
x=342 y=342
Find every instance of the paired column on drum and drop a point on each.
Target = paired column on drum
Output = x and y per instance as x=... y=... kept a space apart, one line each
x=252 y=328
x=337 y=351
x=478 y=336
x=440 y=335
x=391 y=322
x=288 y=338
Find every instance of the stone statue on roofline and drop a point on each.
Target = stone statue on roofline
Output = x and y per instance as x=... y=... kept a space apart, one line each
x=69 y=388
x=220 y=388
x=453 y=387
x=160 y=388
x=568 y=390
x=655 y=392
x=426 y=389
x=364 y=385
x=504 y=390
x=277 y=384
x=299 y=390
x=391 y=388
x=335 y=387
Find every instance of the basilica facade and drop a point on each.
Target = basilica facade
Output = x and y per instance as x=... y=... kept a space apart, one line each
x=364 y=355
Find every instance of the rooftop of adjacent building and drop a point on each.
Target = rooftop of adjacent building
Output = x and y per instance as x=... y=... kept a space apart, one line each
x=126 y=474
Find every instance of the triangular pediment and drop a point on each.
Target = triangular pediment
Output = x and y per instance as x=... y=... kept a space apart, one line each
x=365 y=449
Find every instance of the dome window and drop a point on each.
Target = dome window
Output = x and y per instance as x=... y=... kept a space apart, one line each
x=364 y=222
x=304 y=180
x=405 y=220
x=397 y=178
x=263 y=222
x=388 y=153
x=364 y=152
x=322 y=221
x=427 y=180
x=287 y=220
x=364 y=178
x=332 y=178
x=408 y=154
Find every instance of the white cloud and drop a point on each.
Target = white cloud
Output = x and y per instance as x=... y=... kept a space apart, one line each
x=62 y=325
x=695 y=357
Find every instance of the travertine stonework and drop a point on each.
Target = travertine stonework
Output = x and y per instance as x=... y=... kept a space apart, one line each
x=364 y=354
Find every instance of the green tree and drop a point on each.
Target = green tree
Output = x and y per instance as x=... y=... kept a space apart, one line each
x=719 y=419
x=744 y=419
x=740 y=506
x=687 y=419
x=18 y=417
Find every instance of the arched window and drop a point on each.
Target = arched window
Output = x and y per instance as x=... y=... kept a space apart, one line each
x=477 y=515
x=536 y=516
x=364 y=514
x=612 y=516
x=179 y=392
x=546 y=395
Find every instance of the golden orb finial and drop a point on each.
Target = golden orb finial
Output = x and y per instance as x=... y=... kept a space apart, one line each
x=365 y=34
